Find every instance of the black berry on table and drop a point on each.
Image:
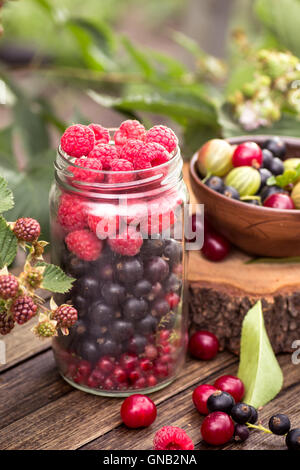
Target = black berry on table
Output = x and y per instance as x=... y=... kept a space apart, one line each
x=220 y=401
x=240 y=413
x=279 y=424
x=293 y=439
x=241 y=432
x=89 y=349
x=254 y=415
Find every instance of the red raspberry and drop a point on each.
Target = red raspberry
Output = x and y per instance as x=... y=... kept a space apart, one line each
x=121 y=167
x=27 y=229
x=103 y=227
x=72 y=212
x=6 y=324
x=65 y=315
x=159 y=154
x=105 y=153
x=172 y=438
x=89 y=171
x=164 y=136
x=9 y=286
x=23 y=309
x=130 y=129
x=161 y=216
x=84 y=244
x=128 y=243
x=131 y=150
x=78 y=140
x=101 y=133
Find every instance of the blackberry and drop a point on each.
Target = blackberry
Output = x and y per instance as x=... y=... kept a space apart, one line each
x=159 y=308
x=27 y=229
x=267 y=159
x=220 y=401
x=147 y=325
x=241 y=432
x=215 y=183
x=241 y=413
x=277 y=167
x=292 y=439
x=254 y=415
x=276 y=146
x=113 y=293
x=173 y=284
x=152 y=247
x=9 y=286
x=100 y=313
x=142 y=288
x=23 y=309
x=231 y=192
x=135 y=309
x=156 y=269
x=264 y=176
x=173 y=252
x=130 y=270
x=137 y=344
x=121 y=330
x=65 y=315
x=279 y=424
x=6 y=324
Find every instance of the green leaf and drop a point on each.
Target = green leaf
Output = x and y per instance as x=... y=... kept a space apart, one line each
x=54 y=279
x=288 y=177
x=7 y=156
x=6 y=196
x=259 y=369
x=139 y=58
x=8 y=244
x=290 y=260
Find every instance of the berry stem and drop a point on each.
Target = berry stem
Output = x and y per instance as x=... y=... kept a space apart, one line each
x=259 y=428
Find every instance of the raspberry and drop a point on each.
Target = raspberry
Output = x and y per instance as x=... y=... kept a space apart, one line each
x=164 y=136
x=105 y=153
x=130 y=129
x=172 y=438
x=89 y=170
x=121 y=166
x=6 y=324
x=161 y=216
x=84 y=244
x=78 y=140
x=131 y=150
x=103 y=227
x=128 y=243
x=65 y=315
x=23 y=309
x=9 y=286
x=101 y=133
x=159 y=154
x=27 y=229
x=72 y=212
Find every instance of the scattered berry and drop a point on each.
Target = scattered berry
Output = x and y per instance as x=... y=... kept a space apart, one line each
x=215 y=246
x=164 y=136
x=220 y=401
x=65 y=315
x=27 y=229
x=138 y=411
x=279 y=424
x=254 y=415
x=123 y=169
x=72 y=212
x=241 y=432
x=232 y=385
x=6 y=323
x=78 y=140
x=127 y=243
x=23 y=309
x=105 y=153
x=87 y=170
x=172 y=438
x=241 y=413
x=203 y=345
x=84 y=244
x=292 y=439
x=130 y=129
x=101 y=133
x=9 y=286
x=217 y=428
x=200 y=396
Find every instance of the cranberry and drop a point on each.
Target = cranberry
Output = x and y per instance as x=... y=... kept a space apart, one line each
x=200 y=396
x=119 y=374
x=151 y=351
x=215 y=247
x=95 y=379
x=217 y=428
x=140 y=383
x=105 y=364
x=279 y=201
x=247 y=154
x=135 y=375
x=138 y=411
x=172 y=299
x=161 y=370
x=146 y=364
x=151 y=381
x=108 y=384
x=128 y=362
x=203 y=345
x=232 y=385
x=84 y=368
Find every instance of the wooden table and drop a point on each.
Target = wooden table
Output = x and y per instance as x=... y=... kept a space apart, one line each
x=39 y=410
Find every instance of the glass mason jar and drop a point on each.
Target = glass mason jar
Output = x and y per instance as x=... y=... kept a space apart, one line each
x=126 y=229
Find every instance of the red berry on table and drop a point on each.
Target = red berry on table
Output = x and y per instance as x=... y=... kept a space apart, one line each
x=130 y=129
x=105 y=153
x=138 y=411
x=164 y=136
x=280 y=201
x=65 y=315
x=172 y=438
x=23 y=309
x=78 y=140
x=87 y=170
x=203 y=345
x=217 y=428
x=232 y=385
x=127 y=244
x=6 y=324
x=247 y=154
x=200 y=396
x=215 y=246
x=84 y=244
x=27 y=229
x=72 y=212
x=101 y=133
x=9 y=286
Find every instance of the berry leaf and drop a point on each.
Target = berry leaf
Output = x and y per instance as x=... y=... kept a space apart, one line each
x=6 y=196
x=54 y=279
x=258 y=369
x=288 y=177
x=8 y=244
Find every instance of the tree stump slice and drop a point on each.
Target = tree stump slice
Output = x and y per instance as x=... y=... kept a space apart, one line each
x=222 y=293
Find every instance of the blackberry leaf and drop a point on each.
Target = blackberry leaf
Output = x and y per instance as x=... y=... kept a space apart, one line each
x=6 y=196
x=8 y=244
x=54 y=279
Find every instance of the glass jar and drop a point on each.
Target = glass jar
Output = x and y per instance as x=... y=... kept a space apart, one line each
x=126 y=229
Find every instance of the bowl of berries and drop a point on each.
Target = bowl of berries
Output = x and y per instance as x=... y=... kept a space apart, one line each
x=250 y=187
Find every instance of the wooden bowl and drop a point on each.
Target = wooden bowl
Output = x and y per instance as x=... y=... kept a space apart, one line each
x=257 y=230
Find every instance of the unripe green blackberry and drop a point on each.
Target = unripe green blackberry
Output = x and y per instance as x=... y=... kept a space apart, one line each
x=45 y=329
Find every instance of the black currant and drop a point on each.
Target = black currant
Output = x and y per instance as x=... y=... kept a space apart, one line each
x=137 y=344
x=231 y=192
x=264 y=176
x=89 y=349
x=130 y=270
x=147 y=325
x=173 y=252
x=121 y=330
x=220 y=401
x=106 y=272
x=275 y=145
x=152 y=247
x=277 y=167
x=292 y=439
x=113 y=293
x=254 y=415
x=279 y=424
x=215 y=183
x=267 y=158
x=87 y=287
x=100 y=313
x=173 y=283
x=241 y=432
x=75 y=266
x=142 y=288
x=135 y=309
x=268 y=191
x=241 y=413
x=109 y=347
x=81 y=305
x=159 y=308
x=156 y=269
x=156 y=291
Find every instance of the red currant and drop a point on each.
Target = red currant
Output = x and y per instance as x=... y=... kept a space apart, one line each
x=232 y=385
x=217 y=428
x=215 y=246
x=129 y=362
x=172 y=299
x=203 y=345
x=200 y=396
x=279 y=201
x=247 y=154
x=138 y=411
x=105 y=364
